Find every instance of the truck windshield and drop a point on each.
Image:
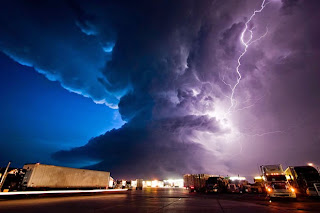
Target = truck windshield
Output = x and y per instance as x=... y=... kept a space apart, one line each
x=212 y=180
x=276 y=178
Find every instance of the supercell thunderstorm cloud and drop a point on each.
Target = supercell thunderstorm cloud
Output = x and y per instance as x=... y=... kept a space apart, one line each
x=203 y=86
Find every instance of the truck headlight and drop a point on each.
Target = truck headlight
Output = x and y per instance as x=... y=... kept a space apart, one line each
x=268 y=189
x=292 y=189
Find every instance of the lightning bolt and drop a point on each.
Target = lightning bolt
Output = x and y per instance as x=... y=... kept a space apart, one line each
x=267 y=133
x=246 y=43
x=251 y=105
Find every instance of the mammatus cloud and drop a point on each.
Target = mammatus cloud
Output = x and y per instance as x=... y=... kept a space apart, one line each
x=49 y=39
x=162 y=64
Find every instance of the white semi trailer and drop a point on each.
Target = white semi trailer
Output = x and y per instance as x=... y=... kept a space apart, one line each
x=41 y=176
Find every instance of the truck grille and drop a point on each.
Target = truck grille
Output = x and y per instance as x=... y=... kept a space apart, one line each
x=284 y=195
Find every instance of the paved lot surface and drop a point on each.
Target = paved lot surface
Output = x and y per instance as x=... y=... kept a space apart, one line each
x=156 y=200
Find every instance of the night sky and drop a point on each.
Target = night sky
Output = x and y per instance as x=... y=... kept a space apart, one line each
x=160 y=88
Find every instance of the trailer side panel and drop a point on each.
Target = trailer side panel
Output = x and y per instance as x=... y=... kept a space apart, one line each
x=48 y=176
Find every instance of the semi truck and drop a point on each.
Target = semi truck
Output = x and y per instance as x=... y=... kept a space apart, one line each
x=41 y=176
x=204 y=183
x=13 y=180
x=237 y=185
x=258 y=185
x=305 y=179
x=195 y=182
x=275 y=182
x=216 y=184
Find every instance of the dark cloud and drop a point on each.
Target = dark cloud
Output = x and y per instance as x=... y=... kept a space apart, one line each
x=161 y=148
x=168 y=66
x=44 y=35
x=230 y=35
x=288 y=6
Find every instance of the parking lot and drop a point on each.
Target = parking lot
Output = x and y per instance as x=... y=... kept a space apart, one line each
x=156 y=200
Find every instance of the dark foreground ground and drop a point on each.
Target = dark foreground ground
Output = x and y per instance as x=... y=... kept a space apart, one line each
x=155 y=200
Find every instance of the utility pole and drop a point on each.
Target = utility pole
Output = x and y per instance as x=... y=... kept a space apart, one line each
x=4 y=176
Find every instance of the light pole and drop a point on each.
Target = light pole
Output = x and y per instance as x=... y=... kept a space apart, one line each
x=4 y=176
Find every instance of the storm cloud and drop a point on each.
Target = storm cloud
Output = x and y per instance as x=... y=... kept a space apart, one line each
x=166 y=66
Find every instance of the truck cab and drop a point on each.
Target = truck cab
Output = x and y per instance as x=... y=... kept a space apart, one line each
x=276 y=183
x=215 y=184
x=305 y=179
x=278 y=186
x=258 y=185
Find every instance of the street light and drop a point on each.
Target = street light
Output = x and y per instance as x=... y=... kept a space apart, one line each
x=310 y=164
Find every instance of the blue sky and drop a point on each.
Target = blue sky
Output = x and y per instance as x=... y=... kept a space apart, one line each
x=39 y=117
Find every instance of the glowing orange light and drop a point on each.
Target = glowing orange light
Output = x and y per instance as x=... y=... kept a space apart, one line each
x=269 y=189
